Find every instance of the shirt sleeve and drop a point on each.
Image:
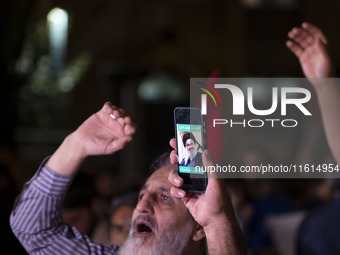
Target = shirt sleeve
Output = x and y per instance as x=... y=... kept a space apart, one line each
x=36 y=218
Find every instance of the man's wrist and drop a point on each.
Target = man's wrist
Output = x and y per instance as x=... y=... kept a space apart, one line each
x=217 y=223
x=224 y=236
x=69 y=156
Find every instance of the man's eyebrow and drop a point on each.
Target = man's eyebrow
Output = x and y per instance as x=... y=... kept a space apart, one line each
x=145 y=186
x=160 y=188
x=164 y=189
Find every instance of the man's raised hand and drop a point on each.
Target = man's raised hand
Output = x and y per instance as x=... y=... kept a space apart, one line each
x=106 y=131
x=103 y=133
x=310 y=46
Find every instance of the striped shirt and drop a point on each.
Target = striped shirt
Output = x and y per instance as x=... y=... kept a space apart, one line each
x=36 y=218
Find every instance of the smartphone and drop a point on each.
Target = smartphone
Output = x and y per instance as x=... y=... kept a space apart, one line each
x=191 y=141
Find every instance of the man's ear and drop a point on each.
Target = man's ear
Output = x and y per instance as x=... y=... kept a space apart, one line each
x=198 y=233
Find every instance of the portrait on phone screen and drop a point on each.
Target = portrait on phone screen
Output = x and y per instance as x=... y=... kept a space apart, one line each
x=190 y=140
x=190 y=155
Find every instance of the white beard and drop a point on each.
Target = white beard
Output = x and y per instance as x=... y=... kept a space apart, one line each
x=172 y=242
x=193 y=153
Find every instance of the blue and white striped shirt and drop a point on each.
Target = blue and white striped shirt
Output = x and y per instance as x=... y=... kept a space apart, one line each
x=36 y=218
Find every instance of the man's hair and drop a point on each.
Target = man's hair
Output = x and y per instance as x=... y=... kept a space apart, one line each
x=160 y=161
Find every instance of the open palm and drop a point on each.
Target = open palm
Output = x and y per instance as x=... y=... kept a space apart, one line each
x=311 y=47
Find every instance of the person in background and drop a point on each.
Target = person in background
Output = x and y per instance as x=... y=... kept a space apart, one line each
x=319 y=232
x=114 y=228
x=120 y=217
x=310 y=46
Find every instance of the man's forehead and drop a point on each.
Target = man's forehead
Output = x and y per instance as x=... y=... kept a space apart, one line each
x=158 y=181
x=161 y=174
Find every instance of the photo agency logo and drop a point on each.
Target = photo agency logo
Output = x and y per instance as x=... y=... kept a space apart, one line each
x=293 y=97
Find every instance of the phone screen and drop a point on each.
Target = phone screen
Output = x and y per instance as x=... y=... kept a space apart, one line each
x=191 y=142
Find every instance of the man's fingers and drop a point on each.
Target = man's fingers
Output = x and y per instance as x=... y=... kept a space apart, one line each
x=177 y=192
x=129 y=130
x=296 y=49
x=315 y=31
x=129 y=121
x=173 y=143
x=118 y=121
x=301 y=37
x=118 y=144
x=122 y=112
x=130 y=127
x=174 y=179
x=121 y=121
x=173 y=154
x=108 y=107
x=117 y=113
x=173 y=157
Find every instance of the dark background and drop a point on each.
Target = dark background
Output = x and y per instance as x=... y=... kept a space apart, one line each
x=126 y=42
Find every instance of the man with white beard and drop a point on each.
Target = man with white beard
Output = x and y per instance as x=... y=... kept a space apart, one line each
x=171 y=233
x=166 y=220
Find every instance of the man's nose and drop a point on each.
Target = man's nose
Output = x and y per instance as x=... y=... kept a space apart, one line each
x=145 y=204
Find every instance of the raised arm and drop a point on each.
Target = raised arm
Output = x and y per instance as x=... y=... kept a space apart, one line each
x=36 y=216
x=212 y=210
x=310 y=46
x=105 y=132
